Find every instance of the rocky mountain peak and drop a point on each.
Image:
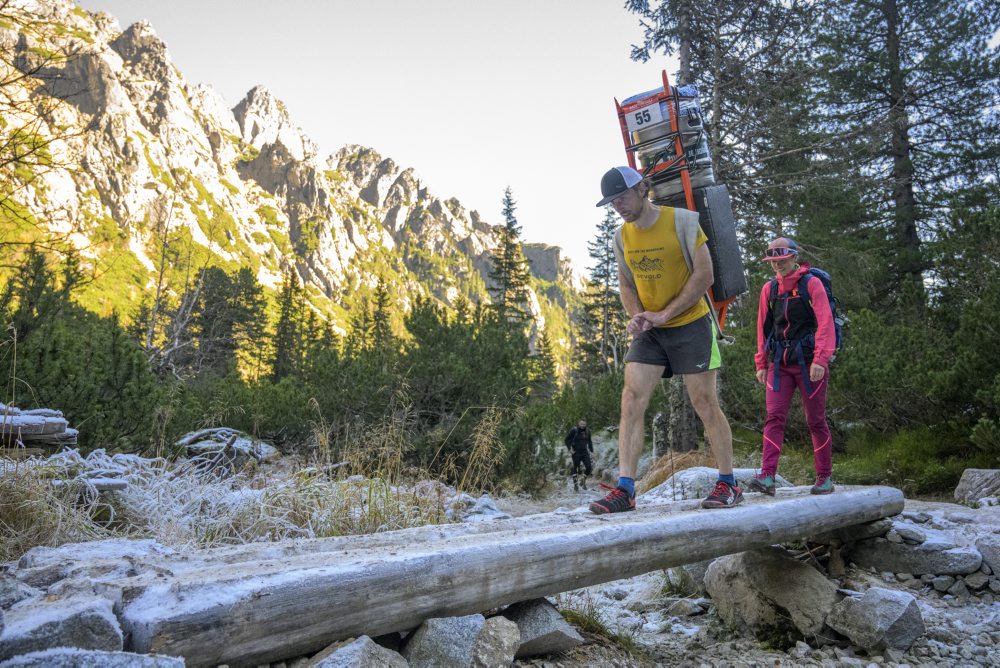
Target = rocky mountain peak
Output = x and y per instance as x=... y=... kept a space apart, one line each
x=139 y=44
x=263 y=119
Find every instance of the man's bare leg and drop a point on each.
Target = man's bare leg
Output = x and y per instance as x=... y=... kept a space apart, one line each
x=701 y=388
x=640 y=382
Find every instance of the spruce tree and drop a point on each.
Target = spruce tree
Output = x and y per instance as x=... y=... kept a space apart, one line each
x=602 y=330
x=288 y=334
x=912 y=90
x=509 y=274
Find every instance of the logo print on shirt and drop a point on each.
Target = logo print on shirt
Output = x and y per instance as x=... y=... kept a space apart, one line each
x=648 y=264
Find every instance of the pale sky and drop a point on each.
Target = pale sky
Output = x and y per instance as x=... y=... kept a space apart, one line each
x=473 y=95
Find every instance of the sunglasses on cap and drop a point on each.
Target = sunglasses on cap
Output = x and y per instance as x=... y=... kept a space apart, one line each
x=780 y=252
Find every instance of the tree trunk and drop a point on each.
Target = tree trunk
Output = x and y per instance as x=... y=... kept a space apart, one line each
x=258 y=604
x=910 y=266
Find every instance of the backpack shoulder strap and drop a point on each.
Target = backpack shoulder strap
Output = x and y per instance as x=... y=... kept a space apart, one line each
x=804 y=286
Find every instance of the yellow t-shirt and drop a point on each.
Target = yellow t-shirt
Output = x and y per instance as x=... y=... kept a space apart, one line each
x=654 y=255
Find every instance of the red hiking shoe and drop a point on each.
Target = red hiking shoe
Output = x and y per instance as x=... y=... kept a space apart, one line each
x=617 y=501
x=723 y=496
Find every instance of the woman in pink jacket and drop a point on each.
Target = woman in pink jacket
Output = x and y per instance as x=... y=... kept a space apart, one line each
x=795 y=341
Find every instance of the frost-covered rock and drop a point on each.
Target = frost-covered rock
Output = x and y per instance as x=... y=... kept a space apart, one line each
x=446 y=641
x=43 y=566
x=938 y=555
x=234 y=447
x=45 y=623
x=989 y=547
x=764 y=590
x=361 y=653
x=696 y=483
x=878 y=620
x=68 y=657
x=467 y=508
x=976 y=484
x=543 y=630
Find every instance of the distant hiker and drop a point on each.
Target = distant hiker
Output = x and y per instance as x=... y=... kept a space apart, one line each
x=580 y=445
x=664 y=272
x=795 y=342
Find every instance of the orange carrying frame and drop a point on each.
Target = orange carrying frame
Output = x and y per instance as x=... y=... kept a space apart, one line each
x=678 y=164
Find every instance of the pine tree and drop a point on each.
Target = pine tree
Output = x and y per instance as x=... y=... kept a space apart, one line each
x=602 y=331
x=912 y=95
x=289 y=331
x=509 y=273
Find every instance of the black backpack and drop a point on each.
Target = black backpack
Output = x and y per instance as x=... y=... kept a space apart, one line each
x=824 y=278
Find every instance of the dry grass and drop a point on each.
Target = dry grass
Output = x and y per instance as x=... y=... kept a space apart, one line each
x=34 y=512
x=205 y=502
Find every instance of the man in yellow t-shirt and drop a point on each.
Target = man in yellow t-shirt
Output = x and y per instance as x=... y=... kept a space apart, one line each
x=664 y=272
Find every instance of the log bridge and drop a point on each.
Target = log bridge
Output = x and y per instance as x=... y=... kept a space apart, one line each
x=252 y=604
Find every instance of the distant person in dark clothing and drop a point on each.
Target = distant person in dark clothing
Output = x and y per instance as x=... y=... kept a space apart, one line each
x=580 y=445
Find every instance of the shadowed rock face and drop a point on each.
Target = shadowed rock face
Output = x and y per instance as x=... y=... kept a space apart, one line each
x=247 y=183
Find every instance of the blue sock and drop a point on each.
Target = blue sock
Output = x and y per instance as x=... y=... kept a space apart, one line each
x=628 y=484
x=729 y=479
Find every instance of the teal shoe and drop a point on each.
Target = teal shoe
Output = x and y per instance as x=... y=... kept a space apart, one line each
x=823 y=485
x=763 y=483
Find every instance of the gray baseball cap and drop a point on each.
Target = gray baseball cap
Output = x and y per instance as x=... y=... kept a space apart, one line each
x=616 y=181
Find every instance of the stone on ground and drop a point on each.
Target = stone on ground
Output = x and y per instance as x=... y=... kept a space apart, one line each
x=762 y=591
x=977 y=484
x=878 y=620
x=448 y=641
x=938 y=555
x=38 y=624
x=361 y=653
x=543 y=629
x=989 y=547
x=497 y=644
x=68 y=657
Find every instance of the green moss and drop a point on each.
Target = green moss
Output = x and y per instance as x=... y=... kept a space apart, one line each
x=335 y=176
x=280 y=240
x=233 y=190
x=260 y=237
x=159 y=174
x=62 y=30
x=269 y=215
x=250 y=153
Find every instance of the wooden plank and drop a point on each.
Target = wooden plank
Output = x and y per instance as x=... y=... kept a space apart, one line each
x=270 y=610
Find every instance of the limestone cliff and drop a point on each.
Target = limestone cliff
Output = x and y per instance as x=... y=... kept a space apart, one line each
x=140 y=171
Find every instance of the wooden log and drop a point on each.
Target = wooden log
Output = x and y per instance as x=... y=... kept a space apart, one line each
x=271 y=610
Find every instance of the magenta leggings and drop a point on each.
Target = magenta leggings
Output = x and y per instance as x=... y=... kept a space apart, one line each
x=778 y=404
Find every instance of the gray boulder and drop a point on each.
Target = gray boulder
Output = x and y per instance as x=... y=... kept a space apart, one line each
x=448 y=641
x=989 y=547
x=938 y=555
x=543 y=630
x=689 y=579
x=497 y=644
x=68 y=657
x=880 y=619
x=13 y=590
x=361 y=653
x=976 y=484
x=40 y=624
x=697 y=482
x=762 y=591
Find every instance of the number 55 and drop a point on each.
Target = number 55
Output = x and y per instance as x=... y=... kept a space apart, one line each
x=642 y=116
